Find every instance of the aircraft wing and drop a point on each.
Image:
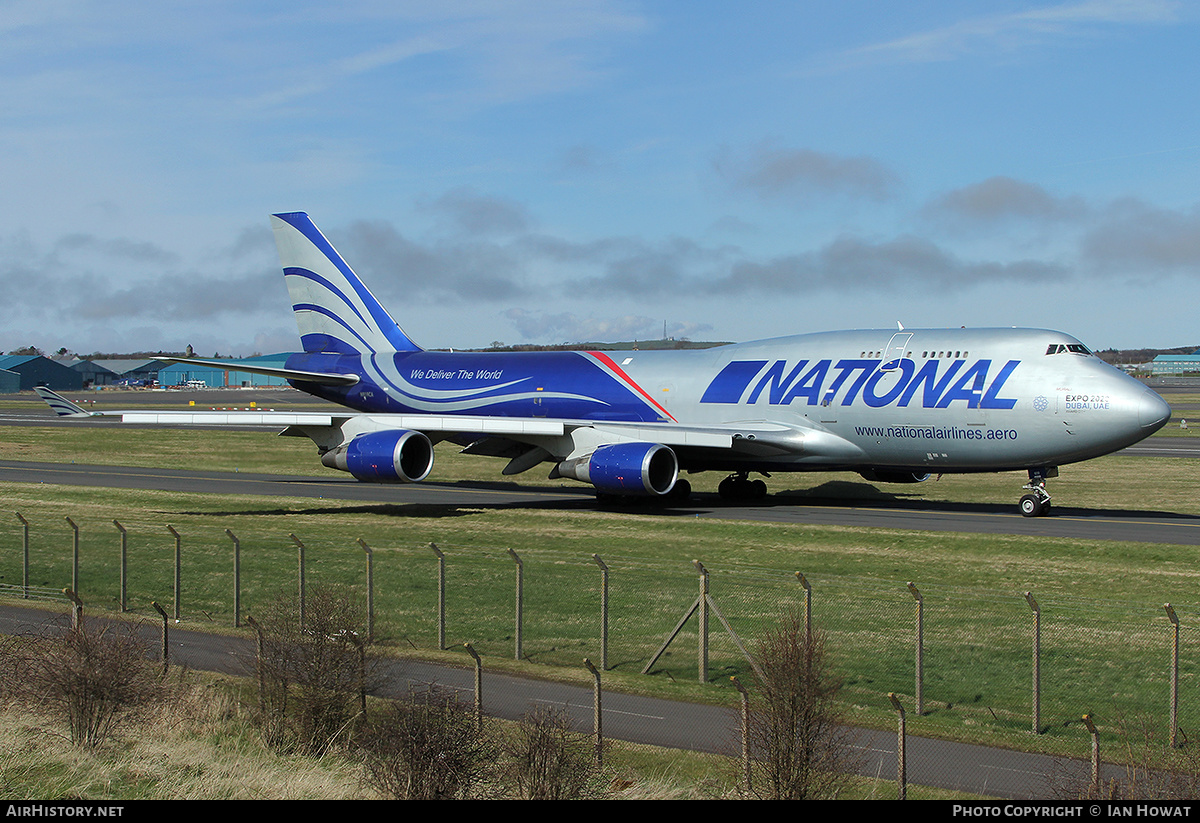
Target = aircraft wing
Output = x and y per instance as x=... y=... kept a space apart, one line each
x=359 y=442
x=434 y=424
x=66 y=408
x=753 y=437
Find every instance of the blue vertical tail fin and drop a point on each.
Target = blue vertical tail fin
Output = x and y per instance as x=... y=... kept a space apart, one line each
x=334 y=311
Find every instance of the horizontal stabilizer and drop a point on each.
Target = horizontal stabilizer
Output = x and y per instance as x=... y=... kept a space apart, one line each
x=322 y=378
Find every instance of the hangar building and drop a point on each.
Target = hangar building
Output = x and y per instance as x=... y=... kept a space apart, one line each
x=36 y=370
x=1175 y=363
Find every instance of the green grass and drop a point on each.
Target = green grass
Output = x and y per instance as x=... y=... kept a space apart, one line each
x=1105 y=635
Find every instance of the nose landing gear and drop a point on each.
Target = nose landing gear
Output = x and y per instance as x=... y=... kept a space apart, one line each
x=1036 y=501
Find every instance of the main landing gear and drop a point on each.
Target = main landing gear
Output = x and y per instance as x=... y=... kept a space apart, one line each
x=740 y=487
x=1036 y=501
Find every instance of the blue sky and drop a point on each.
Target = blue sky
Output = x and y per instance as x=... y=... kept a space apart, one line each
x=590 y=170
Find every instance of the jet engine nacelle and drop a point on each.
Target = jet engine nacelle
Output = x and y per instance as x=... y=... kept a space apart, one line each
x=890 y=476
x=398 y=456
x=626 y=468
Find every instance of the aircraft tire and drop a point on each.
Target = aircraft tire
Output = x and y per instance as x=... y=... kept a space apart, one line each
x=1031 y=505
x=680 y=494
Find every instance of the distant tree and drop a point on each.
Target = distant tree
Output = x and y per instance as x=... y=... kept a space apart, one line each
x=28 y=350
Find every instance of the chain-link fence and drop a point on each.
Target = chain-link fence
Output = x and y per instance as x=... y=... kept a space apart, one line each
x=972 y=659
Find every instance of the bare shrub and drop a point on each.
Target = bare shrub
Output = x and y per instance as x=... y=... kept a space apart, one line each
x=1149 y=769
x=428 y=746
x=548 y=760
x=93 y=678
x=800 y=749
x=312 y=677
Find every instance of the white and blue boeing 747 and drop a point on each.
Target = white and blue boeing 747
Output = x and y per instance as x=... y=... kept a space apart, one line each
x=893 y=406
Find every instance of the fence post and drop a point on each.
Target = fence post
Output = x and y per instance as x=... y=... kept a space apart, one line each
x=124 y=563
x=362 y=669
x=901 y=745
x=259 y=648
x=520 y=599
x=74 y=557
x=745 y=732
x=178 y=571
x=237 y=579
x=370 y=592
x=300 y=573
x=478 y=684
x=807 y=608
x=703 y=618
x=165 y=647
x=24 y=556
x=76 y=608
x=603 y=612
x=1174 y=675
x=920 y=661
x=1037 y=662
x=441 y=596
x=1091 y=727
x=597 y=722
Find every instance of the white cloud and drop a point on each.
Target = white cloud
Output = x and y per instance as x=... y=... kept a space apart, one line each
x=1013 y=32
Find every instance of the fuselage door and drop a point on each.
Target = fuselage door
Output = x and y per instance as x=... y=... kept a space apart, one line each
x=897 y=347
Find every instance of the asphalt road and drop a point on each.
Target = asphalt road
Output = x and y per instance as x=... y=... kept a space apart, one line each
x=894 y=513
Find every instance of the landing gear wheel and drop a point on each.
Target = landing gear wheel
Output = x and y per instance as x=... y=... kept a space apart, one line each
x=679 y=495
x=1030 y=505
x=738 y=487
x=1036 y=501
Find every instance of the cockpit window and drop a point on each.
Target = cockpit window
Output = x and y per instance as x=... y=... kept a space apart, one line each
x=1072 y=348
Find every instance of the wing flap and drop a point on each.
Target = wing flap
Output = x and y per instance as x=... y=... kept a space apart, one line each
x=669 y=435
x=235 y=418
x=528 y=426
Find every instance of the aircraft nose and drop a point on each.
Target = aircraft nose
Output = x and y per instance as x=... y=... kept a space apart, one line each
x=1153 y=411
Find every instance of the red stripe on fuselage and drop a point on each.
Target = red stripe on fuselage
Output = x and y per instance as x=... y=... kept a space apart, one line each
x=606 y=360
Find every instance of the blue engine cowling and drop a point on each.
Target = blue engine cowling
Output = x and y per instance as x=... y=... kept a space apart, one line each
x=626 y=468
x=398 y=456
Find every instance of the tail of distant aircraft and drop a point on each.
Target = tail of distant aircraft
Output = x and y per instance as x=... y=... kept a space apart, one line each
x=334 y=310
x=61 y=405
